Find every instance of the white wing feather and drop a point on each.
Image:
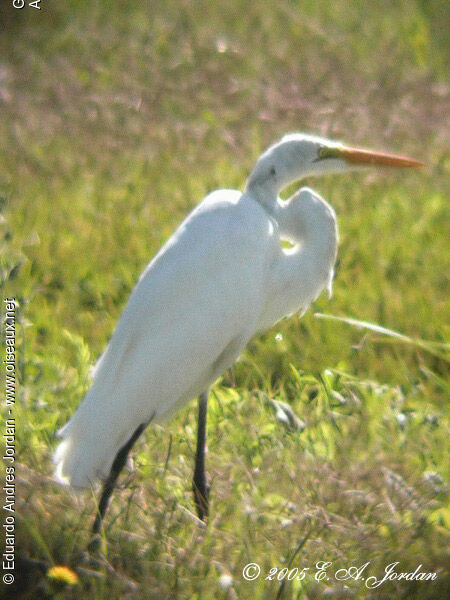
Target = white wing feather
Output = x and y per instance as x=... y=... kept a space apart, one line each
x=191 y=313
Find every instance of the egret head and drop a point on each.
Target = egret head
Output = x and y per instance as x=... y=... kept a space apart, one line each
x=299 y=155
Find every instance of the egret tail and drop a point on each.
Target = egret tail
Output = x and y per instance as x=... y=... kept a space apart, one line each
x=87 y=450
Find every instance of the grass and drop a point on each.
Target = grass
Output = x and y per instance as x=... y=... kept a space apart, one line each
x=117 y=120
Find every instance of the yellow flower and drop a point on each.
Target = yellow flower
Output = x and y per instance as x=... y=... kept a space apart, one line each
x=63 y=575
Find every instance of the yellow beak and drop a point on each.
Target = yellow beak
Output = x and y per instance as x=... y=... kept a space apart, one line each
x=359 y=156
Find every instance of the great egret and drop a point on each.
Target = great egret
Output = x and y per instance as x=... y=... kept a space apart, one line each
x=221 y=278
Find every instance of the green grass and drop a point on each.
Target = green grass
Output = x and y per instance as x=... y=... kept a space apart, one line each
x=116 y=120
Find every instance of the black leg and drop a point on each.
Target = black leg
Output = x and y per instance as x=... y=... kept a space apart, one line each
x=199 y=485
x=108 y=486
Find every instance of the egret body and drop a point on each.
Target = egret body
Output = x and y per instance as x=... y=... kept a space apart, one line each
x=221 y=278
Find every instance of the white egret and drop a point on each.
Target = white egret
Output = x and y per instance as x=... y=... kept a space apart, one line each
x=221 y=278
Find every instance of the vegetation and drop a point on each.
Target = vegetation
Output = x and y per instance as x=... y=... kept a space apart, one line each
x=117 y=118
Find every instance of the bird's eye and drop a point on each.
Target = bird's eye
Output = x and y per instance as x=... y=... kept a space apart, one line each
x=273 y=171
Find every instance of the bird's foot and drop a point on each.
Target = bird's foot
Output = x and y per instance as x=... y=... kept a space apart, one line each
x=95 y=543
x=201 y=499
